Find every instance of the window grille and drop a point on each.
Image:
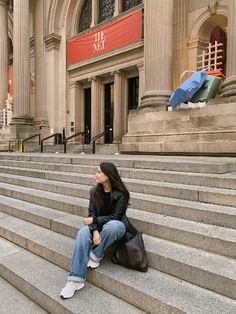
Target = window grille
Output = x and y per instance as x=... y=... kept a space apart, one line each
x=211 y=58
x=128 y=4
x=106 y=9
x=86 y=16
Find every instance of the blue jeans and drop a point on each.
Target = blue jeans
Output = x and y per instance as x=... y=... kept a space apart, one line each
x=112 y=231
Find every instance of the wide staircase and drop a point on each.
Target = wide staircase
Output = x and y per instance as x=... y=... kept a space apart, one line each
x=185 y=207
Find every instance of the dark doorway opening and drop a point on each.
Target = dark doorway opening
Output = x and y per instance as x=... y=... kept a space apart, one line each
x=109 y=112
x=133 y=90
x=87 y=115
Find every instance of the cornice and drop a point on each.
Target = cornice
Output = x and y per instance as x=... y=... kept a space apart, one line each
x=92 y=73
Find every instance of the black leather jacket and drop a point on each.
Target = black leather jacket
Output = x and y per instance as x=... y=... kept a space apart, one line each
x=119 y=204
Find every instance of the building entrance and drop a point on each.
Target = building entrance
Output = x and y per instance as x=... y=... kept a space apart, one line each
x=87 y=115
x=109 y=111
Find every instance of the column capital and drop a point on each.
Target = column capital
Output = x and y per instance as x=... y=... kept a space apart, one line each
x=52 y=41
x=73 y=84
x=140 y=66
x=94 y=79
x=118 y=71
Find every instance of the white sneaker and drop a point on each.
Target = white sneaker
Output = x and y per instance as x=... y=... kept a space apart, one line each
x=70 y=288
x=92 y=263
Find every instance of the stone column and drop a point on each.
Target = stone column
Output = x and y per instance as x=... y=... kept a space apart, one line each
x=180 y=60
x=97 y=108
x=76 y=108
x=229 y=85
x=158 y=52
x=21 y=63
x=94 y=13
x=118 y=7
x=40 y=82
x=120 y=106
x=141 y=82
x=52 y=43
x=3 y=53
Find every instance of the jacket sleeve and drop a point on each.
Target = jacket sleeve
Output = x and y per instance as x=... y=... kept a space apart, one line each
x=120 y=204
x=92 y=210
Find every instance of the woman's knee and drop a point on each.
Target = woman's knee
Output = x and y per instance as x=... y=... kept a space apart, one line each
x=116 y=227
x=84 y=232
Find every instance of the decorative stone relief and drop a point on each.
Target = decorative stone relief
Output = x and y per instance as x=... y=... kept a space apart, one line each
x=212 y=7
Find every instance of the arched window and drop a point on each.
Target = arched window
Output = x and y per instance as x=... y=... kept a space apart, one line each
x=128 y=4
x=86 y=16
x=106 y=9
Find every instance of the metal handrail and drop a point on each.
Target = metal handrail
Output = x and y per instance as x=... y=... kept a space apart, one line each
x=98 y=136
x=72 y=136
x=28 y=138
x=56 y=135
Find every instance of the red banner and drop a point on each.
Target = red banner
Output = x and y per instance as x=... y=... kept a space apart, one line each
x=115 y=35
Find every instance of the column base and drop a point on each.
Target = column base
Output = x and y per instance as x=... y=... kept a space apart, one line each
x=25 y=120
x=228 y=88
x=41 y=122
x=158 y=100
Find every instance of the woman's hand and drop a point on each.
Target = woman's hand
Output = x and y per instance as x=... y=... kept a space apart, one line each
x=96 y=237
x=88 y=220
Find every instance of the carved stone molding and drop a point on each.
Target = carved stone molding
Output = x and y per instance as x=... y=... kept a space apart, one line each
x=3 y=2
x=52 y=41
x=197 y=42
x=117 y=71
x=77 y=74
x=212 y=7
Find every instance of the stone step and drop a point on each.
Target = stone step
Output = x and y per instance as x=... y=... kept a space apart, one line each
x=193 y=265
x=153 y=292
x=213 y=238
x=42 y=281
x=75 y=175
x=205 y=236
x=168 y=163
x=13 y=301
x=143 y=199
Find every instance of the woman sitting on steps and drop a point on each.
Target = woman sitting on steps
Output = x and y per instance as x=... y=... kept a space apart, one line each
x=107 y=206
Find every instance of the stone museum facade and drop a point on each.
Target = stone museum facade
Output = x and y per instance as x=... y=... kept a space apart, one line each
x=96 y=65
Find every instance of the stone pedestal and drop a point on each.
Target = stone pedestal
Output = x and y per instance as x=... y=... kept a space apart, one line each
x=158 y=52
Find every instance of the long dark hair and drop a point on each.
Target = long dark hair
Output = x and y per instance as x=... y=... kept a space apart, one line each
x=110 y=170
